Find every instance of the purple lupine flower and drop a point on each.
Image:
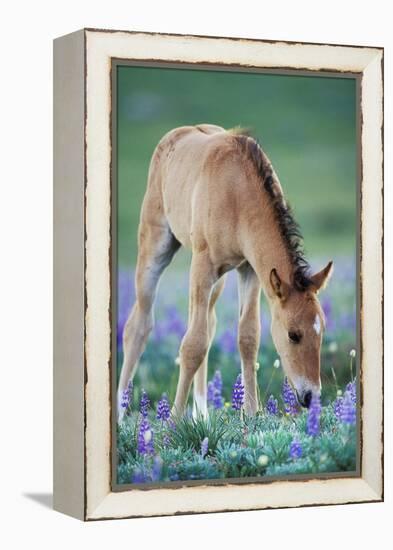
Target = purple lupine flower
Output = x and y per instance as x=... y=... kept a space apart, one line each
x=166 y=440
x=218 y=401
x=337 y=407
x=217 y=381
x=272 y=406
x=348 y=410
x=125 y=299
x=144 y=404
x=290 y=402
x=175 y=323
x=138 y=476
x=351 y=390
x=204 y=447
x=210 y=393
x=126 y=397
x=238 y=394
x=228 y=341
x=156 y=468
x=314 y=414
x=145 y=438
x=163 y=408
x=214 y=391
x=295 y=450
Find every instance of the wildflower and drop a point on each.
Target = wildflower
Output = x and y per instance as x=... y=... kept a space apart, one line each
x=174 y=323
x=295 y=450
x=352 y=353
x=238 y=394
x=227 y=341
x=276 y=364
x=351 y=390
x=177 y=361
x=166 y=440
x=204 y=447
x=263 y=460
x=333 y=347
x=163 y=409
x=217 y=380
x=144 y=404
x=210 y=393
x=289 y=398
x=126 y=396
x=272 y=406
x=337 y=407
x=314 y=413
x=214 y=391
x=348 y=410
x=138 y=476
x=257 y=366
x=156 y=468
x=145 y=438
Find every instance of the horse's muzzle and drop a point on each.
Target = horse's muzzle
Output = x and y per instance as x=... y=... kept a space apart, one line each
x=305 y=398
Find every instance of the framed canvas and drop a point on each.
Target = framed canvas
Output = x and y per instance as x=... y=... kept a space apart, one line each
x=251 y=377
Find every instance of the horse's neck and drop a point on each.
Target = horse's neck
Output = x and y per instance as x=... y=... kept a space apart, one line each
x=265 y=247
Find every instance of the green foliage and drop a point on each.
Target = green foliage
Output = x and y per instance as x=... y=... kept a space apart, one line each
x=189 y=432
x=127 y=433
x=236 y=461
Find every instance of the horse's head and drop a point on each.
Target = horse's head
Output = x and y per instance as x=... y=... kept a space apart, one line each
x=297 y=327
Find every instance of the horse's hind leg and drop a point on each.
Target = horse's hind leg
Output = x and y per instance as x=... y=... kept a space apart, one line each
x=249 y=333
x=156 y=248
x=200 y=378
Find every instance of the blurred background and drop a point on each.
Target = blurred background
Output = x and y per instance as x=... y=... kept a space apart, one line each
x=307 y=126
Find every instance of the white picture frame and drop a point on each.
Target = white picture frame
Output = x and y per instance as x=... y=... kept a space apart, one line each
x=82 y=268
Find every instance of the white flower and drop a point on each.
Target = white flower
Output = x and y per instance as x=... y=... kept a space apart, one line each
x=177 y=360
x=276 y=364
x=263 y=460
x=352 y=353
x=147 y=436
x=333 y=347
x=257 y=366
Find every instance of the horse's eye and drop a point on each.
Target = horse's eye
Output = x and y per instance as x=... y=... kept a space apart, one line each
x=294 y=337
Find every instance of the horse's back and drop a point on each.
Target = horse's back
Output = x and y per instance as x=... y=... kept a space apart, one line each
x=175 y=169
x=195 y=171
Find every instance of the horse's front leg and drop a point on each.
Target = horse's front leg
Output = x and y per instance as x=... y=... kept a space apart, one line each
x=249 y=333
x=200 y=378
x=195 y=344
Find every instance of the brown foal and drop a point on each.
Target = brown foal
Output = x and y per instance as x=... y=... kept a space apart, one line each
x=216 y=192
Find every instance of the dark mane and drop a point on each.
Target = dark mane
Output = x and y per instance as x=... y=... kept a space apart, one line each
x=289 y=228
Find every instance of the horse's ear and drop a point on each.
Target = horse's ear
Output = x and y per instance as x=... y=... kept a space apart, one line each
x=321 y=279
x=280 y=288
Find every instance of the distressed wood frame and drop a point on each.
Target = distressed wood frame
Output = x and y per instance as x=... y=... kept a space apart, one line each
x=82 y=272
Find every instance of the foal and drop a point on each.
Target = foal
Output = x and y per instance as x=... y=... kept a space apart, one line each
x=215 y=192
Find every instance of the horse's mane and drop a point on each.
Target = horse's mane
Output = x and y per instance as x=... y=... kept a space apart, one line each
x=289 y=228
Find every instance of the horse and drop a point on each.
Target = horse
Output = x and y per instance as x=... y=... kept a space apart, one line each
x=216 y=192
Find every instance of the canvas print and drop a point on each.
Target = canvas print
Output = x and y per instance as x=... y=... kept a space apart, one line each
x=235 y=276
